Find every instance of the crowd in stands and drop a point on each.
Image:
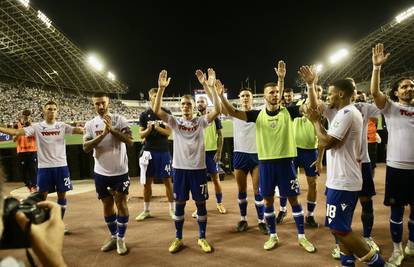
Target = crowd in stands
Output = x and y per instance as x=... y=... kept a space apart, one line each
x=73 y=107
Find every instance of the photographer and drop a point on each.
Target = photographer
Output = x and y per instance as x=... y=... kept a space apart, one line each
x=46 y=238
x=27 y=152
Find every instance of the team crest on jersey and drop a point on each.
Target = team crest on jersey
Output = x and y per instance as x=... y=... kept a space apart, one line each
x=343 y=206
x=272 y=123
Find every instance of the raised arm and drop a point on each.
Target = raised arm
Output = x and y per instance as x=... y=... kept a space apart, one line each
x=211 y=87
x=308 y=74
x=378 y=58
x=12 y=131
x=241 y=115
x=163 y=82
x=281 y=73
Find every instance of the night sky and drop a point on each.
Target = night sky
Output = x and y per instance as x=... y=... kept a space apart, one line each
x=241 y=41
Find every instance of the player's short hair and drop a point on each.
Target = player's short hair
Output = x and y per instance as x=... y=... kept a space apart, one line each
x=50 y=102
x=245 y=89
x=288 y=90
x=100 y=94
x=271 y=84
x=190 y=97
x=346 y=85
x=26 y=112
x=153 y=91
x=394 y=87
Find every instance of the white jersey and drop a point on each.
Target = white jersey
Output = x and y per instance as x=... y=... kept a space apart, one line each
x=367 y=111
x=110 y=154
x=189 y=153
x=400 y=126
x=50 y=139
x=244 y=136
x=343 y=170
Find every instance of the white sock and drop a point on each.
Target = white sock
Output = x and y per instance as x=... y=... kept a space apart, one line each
x=171 y=205
x=397 y=246
x=146 y=206
x=301 y=236
x=283 y=209
x=273 y=235
x=243 y=218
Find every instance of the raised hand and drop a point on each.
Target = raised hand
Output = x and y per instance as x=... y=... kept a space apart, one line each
x=163 y=79
x=308 y=74
x=211 y=77
x=281 y=69
x=378 y=57
x=219 y=88
x=201 y=76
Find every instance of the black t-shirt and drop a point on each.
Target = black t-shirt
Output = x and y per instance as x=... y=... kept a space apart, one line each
x=154 y=141
x=253 y=114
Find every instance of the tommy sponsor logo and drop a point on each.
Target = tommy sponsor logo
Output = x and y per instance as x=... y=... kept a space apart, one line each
x=99 y=132
x=406 y=113
x=344 y=206
x=50 y=133
x=188 y=129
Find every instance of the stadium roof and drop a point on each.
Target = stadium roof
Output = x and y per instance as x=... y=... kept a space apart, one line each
x=398 y=39
x=32 y=49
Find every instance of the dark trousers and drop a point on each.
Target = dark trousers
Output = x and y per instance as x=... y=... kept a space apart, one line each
x=28 y=168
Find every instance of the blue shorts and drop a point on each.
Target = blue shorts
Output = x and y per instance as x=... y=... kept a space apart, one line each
x=399 y=184
x=281 y=173
x=212 y=166
x=54 y=180
x=245 y=161
x=305 y=159
x=368 y=186
x=119 y=183
x=340 y=206
x=159 y=166
x=190 y=180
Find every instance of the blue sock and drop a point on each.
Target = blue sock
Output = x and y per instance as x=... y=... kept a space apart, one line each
x=269 y=213
x=62 y=202
x=396 y=223
x=283 y=202
x=411 y=227
x=299 y=219
x=179 y=219
x=259 y=203
x=112 y=225
x=311 y=208
x=122 y=222
x=219 y=197
x=243 y=203
x=367 y=217
x=202 y=219
x=376 y=261
x=347 y=260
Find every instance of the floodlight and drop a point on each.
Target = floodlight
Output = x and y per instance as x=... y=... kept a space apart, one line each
x=111 y=76
x=44 y=19
x=318 y=67
x=405 y=15
x=338 y=56
x=25 y=3
x=95 y=62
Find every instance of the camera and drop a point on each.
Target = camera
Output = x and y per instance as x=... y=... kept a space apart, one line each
x=13 y=236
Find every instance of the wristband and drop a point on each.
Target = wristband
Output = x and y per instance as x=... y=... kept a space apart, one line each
x=377 y=67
